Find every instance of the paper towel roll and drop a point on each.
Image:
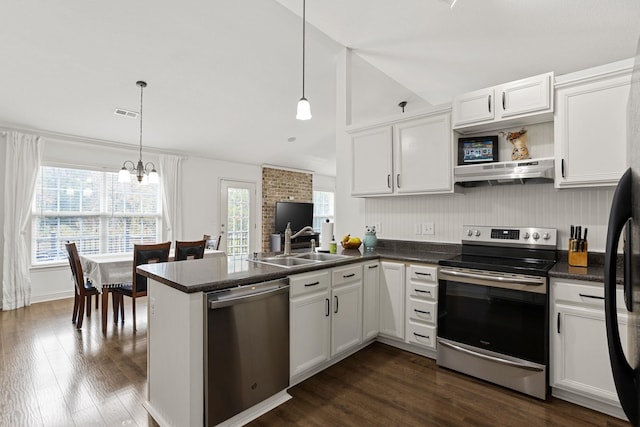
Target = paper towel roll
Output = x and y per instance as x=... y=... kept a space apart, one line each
x=326 y=233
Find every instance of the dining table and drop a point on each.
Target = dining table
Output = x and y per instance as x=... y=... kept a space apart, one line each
x=111 y=271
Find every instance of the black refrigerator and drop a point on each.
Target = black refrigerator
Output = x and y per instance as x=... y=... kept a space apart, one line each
x=624 y=220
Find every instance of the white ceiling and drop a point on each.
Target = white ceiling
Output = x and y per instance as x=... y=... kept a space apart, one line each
x=224 y=76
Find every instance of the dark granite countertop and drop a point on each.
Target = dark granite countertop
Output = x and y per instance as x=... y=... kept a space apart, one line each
x=211 y=274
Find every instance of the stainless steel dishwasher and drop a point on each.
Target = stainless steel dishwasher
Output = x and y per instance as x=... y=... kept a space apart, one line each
x=246 y=348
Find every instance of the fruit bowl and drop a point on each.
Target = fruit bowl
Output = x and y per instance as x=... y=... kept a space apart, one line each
x=351 y=245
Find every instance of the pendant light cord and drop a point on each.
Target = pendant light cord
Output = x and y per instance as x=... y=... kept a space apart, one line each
x=142 y=85
x=304 y=20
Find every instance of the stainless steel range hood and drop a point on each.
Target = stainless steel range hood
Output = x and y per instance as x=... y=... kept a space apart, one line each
x=515 y=172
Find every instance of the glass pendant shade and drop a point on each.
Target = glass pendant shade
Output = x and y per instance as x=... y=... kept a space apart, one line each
x=124 y=175
x=153 y=177
x=304 y=109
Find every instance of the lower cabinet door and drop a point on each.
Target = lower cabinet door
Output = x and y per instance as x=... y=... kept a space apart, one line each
x=310 y=329
x=580 y=355
x=371 y=301
x=392 y=300
x=346 y=326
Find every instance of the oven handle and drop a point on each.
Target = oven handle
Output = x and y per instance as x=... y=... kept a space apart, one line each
x=490 y=358
x=519 y=280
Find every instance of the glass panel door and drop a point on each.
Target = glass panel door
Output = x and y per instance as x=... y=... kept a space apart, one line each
x=238 y=222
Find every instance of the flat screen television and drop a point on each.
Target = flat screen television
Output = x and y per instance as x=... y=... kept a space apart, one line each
x=299 y=214
x=477 y=149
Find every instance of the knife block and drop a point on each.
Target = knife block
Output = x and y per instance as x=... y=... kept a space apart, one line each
x=578 y=259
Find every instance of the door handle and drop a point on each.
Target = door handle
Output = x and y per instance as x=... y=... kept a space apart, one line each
x=374 y=266
x=337 y=302
x=562 y=168
x=504 y=101
x=489 y=103
x=623 y=373
x=328 y=311
x=389 y=180
x=398 y=180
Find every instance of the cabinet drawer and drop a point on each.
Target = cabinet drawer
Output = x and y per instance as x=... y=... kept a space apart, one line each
x=425 y=311
x=423 y=274
x=347 y=274
x=307 y=283
x=423 y=290
x=584 y=293
x=423 y=335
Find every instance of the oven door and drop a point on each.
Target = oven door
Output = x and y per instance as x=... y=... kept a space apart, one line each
x=497 y=312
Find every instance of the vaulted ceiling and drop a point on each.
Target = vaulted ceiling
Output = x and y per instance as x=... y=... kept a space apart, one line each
x=224 y=76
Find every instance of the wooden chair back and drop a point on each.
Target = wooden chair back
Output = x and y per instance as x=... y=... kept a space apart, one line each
x=76 y=268
x=189 y=250
x=147 y=254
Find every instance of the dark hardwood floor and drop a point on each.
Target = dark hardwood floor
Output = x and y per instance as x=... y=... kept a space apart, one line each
x=53 y=375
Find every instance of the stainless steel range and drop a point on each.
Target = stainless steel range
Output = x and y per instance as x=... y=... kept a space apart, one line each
x=493 y=307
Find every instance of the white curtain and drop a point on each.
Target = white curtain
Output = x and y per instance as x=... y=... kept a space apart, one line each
x=23 y=160
x=170 y=174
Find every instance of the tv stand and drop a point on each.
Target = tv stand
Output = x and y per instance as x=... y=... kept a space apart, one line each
x=300 y=242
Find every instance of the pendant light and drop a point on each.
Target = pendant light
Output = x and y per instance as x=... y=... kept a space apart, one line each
x=304 y=108
x=145 y=173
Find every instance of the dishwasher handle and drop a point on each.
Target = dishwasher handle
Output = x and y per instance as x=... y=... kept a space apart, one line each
x=246 y=293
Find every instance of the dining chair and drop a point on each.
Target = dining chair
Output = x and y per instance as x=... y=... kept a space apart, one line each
x=212 y=243
x=189 y=250
x=142 y=254
x=84 y=289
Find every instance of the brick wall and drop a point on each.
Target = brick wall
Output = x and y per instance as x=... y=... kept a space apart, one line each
x=279 y=185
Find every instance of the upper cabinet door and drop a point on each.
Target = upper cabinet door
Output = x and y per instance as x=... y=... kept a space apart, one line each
x=422 y=155
x=372 y=162
x=473 y=107
x=526 y=96
x=590 y=131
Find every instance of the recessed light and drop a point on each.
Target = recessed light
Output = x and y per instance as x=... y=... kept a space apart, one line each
x=125 y=113
x=291 y=139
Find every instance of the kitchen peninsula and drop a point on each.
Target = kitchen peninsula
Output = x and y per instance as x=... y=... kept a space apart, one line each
x=176 y=326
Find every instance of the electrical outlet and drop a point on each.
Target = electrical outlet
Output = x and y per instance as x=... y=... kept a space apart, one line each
x=417 y=228
x=152 y=306
x=428 y=228
x=378 y=227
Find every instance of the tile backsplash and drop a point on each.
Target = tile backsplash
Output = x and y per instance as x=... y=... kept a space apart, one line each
x=538 y=205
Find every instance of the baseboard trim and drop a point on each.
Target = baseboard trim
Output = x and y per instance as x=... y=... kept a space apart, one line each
x=51 y=297
x=248 y=415
x=588 y=402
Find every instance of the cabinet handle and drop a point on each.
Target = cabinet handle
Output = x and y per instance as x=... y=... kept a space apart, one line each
x=389 y=181
x=591 y=296
x=421 y=311
x=374 y=266
x=562 y=168
x=420 y=291
x=423 y=274
x=558 y=323
x=398 y=180
x=312 y=284
x=489 y=103
x=328 y=312
x=346 y=276
x=504 y=103
x=336 y=310
x=426 y=337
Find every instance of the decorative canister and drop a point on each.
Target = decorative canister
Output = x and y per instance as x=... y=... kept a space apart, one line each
x=370 y=240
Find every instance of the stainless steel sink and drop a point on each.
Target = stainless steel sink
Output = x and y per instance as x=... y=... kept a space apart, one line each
x=299 y=259
x=286 y=262
x=323 y=256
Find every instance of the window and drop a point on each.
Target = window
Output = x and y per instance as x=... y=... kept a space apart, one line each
x=92 y=209
x=322 y=208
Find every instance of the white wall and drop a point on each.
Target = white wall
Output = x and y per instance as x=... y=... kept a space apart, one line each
x=324 y=183
x=200 y=193
x=507 y=205
x=3 y=156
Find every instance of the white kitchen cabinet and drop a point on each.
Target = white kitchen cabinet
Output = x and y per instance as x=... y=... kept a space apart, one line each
x=422 y=155
x=372 y=157
x=590 y=126
x=371 y=300
x=524 y=101
x=392 y=299
x=421 y=305
x=309 y=320
x=579 y=355
x=408 y=156
x=346 y=308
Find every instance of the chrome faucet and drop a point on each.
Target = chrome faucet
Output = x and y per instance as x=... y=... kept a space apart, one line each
x=288 y=236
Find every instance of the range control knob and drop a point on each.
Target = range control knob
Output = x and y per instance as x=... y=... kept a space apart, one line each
x=469 y=233
x=477 y=233
x=536 y=236
x=526 y=235
x=546 y=236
